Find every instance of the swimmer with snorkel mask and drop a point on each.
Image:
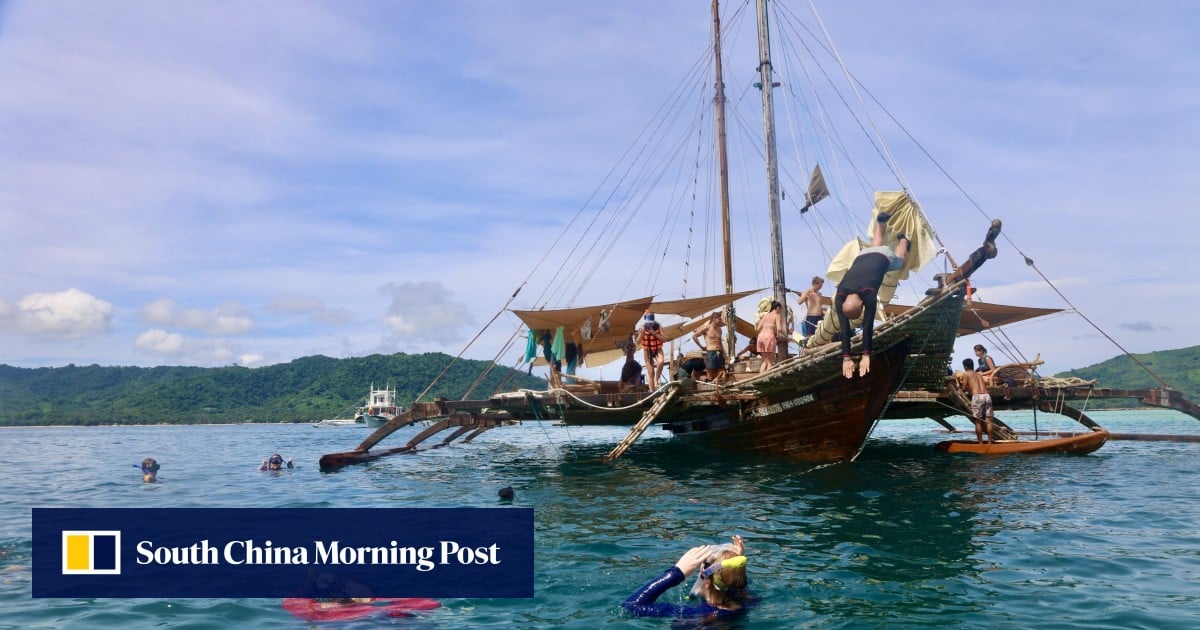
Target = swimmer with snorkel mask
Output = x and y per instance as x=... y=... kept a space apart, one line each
x=720 y=585
x=149 y=470
x=275 y=462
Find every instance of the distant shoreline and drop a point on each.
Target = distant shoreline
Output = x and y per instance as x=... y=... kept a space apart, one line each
x=155 y=424
x=311 y=422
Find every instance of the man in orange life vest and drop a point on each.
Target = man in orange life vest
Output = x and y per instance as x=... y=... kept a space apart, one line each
x=651 y=338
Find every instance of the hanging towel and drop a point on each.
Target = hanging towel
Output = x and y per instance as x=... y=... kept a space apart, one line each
x=560 y=345
x=531 y=346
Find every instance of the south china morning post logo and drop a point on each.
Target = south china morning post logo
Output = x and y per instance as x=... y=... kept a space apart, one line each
x=285 y=552
x=91 y=552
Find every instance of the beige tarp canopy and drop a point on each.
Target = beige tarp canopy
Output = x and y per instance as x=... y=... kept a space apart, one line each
x=623 y=318
x=693 y=307
x=978 y=316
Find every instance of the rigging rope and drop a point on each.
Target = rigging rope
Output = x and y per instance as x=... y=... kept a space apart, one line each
x=469 y=343
x=1006 y=237
x=1030 y=263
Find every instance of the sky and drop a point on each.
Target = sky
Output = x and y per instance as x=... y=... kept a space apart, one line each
x=246 y=183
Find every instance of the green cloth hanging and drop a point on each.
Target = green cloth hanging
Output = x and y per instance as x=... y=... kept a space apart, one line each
x=559 y=347
x=531 y=346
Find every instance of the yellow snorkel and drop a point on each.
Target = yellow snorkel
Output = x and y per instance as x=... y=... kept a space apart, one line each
x=710 y=572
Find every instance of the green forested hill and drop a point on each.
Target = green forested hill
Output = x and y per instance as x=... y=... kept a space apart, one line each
x=313 y=388
x=304 y=390
x=1179 y=368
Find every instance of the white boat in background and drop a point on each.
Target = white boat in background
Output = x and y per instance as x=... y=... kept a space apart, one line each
x=380 y=408
x=340 y=422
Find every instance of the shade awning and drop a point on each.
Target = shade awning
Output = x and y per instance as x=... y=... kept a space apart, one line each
x=623 y=319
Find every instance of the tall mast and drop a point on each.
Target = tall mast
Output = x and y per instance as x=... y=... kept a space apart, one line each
x=723 y=160
x=766 y=84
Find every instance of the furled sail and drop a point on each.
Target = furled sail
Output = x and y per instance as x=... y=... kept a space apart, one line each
x=907 y=219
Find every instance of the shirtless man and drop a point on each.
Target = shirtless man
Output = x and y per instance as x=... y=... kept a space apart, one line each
x=714 y=356
x=981 y=400
x=811 y=299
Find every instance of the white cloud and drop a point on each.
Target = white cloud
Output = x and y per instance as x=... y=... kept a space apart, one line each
x=69 y=314
x=251 y=359
x=168 y=345
x=424 y=311
x=227 y=319
x=310 y=307
x=159 y=341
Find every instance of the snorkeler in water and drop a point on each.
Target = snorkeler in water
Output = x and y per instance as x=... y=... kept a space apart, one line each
x=720 y=586
x=275 y=462
x=149 y=470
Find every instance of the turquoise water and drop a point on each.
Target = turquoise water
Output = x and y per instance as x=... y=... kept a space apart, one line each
x=904 y=538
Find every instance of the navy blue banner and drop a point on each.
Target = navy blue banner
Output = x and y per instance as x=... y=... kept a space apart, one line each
x=228 y=552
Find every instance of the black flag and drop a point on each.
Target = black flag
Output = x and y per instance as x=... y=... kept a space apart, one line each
x=816 y=189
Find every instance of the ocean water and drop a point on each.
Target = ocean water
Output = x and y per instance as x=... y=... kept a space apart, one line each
x=905 y=537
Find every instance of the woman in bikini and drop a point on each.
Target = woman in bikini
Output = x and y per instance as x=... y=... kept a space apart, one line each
x=769 y=330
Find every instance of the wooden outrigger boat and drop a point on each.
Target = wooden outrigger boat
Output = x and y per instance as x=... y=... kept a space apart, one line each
x=801 y=408
x=1079 y=444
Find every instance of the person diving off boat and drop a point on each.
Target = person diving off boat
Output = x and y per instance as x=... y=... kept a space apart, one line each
x=721 y=585
x=857 y=293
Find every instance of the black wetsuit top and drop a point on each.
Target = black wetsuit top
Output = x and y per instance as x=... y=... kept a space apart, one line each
x=643 y=602
x=862 y=279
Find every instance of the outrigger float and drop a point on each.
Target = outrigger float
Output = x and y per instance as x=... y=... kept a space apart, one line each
x=1021 y=389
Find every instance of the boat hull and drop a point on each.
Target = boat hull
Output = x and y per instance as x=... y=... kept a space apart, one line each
x=1080 y=444
x=339 y=422
x=373 y=421
x=822 y=419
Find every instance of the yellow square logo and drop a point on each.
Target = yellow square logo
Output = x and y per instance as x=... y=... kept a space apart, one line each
x=91 y=552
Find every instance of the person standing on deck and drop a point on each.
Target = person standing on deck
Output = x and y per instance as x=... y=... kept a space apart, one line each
x=981 y=400
x=770 y=330
x=815 y=311
x=714 y=355
x=651 y=339
x=857 y=292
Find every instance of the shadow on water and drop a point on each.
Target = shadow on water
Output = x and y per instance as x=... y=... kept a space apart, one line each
x=827 y=542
